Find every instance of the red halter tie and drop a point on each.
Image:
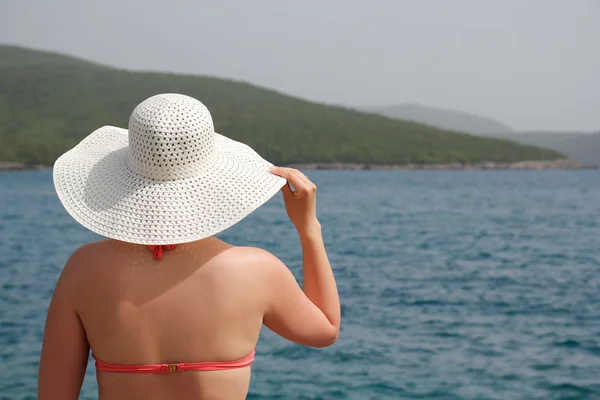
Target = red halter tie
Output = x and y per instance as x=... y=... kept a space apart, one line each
x=158 y=249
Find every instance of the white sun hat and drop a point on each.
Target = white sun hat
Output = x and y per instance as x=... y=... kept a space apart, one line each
x=169 y=179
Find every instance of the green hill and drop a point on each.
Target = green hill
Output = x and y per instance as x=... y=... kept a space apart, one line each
x=48 y=102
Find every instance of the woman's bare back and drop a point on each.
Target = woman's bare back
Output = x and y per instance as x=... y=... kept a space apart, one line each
x=201 y=302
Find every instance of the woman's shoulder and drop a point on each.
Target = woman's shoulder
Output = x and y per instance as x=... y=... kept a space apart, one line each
x=73 y=273
x=257 y=263
x=88 y=256
x=91 y=251
x=252 y=268
x=102 y=253
x=254 y=256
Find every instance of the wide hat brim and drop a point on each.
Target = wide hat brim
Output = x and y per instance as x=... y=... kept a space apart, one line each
x=99 y=190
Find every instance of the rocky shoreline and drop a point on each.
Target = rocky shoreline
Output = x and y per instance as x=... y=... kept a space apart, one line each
x=17 y=166
x=521 y=165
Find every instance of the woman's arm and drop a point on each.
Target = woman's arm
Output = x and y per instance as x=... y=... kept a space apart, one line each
x=318 y=280
x=308 y=316
x=65 y=348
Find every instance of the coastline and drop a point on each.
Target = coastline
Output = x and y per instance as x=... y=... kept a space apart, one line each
x=17 y=166
x=519 y=165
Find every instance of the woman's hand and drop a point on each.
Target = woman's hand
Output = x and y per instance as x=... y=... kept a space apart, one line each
x=300 y=204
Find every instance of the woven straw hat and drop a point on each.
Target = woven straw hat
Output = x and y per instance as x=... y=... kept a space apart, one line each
x=169 y=179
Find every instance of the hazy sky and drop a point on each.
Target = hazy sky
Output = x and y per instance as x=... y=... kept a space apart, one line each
x=533 y=64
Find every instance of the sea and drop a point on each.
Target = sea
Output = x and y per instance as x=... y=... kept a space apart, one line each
x=453 y=285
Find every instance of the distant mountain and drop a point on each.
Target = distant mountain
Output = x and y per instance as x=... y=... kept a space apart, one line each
x=583 y=148
x=443 y=118
x=49 y=102
x=578 y=146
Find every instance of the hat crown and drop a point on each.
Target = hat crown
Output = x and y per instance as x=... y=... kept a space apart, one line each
x=171 y=136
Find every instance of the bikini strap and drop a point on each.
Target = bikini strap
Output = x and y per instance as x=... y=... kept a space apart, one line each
x=158 y=249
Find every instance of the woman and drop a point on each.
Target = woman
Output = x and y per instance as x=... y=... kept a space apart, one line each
x=168 y=310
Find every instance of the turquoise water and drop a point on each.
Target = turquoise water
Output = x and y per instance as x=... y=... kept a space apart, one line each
x=454 y=285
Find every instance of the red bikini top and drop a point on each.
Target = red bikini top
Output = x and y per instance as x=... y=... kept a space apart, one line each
x=176 y=367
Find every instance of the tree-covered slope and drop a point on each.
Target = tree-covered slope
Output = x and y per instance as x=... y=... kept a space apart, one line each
x=48 y=102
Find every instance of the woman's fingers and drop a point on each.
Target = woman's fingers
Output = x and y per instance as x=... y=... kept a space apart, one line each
x=308 y=186
x=301 y=182
x=285 y=173
x=302 y=177
x=298 y=180
x=287 y=191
